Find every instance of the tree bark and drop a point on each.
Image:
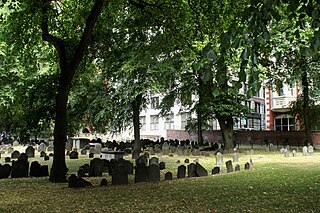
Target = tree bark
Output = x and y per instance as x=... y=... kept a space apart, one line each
x=306 y=107
x=67 y=70
x=136 y=122
x=226 y=125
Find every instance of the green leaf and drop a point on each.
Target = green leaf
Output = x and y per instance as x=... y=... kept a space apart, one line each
x=211 y=55
x=245 y=54
x=236 y=43
x=315 y=13
x=305 y=51
x=197 y=66
x=242 y=75
x=207 y=75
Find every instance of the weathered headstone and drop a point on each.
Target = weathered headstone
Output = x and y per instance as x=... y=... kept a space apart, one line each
x=15 y=143
x=98 y=148
x=219 y=159
x=128 y=166
x=104 y=182
x=43 y=153
x=7 y=159
x=42 y=147
x=168 y=176
x=83 y=152
x=5 y=171
x=15 y=154
x=119 y=175
x=196 y=152
x=75 y=181
x=237 y=168
x=44 y=170
x=271 y=147
x=305 y=151
x=310 y=150
x=81 y=172
x=201 y=171
x=186 y=160
x=235 y=158
x=215 y=170
x=20 y=168
x=181 y=171
x=154 y=160
x=192 y=170
x=247 y=166
x=91 y=155
x=229 y=166
x=162 y=165
x=10 y=150
x=23 y=156
x=135 y=154
x=50 y=149
x=153 y=173
x=96 y=167
x=141 y=173
x=30 y=151
x=286 y=153
x=294 y=153
x=35 y=169
x=165 y=148
x=74 y=155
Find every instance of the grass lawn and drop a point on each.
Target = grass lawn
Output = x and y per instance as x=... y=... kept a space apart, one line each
x=275 y=184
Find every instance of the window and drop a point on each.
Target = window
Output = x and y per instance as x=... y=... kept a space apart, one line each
x=169 y=122
x=184 y=119
x=257 y=107
x=285 y=123
x=154 y=122
x=154 y=102
x=143 y=123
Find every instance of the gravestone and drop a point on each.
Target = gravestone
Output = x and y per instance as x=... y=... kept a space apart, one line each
x=96 y=167
x=74 y=155
x=154 y=160
x=98 y=148
x=201 y=171
x=5 y=171
x=50 y=149
x=23 y=156
x=142 y=160
x=235 y=158
x=44 y=170
x=271 y=147
x=282 y=150
x=219 y=159
x=81 y=172
x=181 y=171
x=83 y=152
x=151 y=151
x=247 y=166
x=196 y=152
x=141 y=173
x=19 y=169
x=92 y=150
x=15 y=143
x=42 y=154
x=186 y=160
x=74 y=182
x=162 y=165
x=294 y=153
x=165 y=148
x=237 y=168
x=7 y=159
x=310 y=150
x=153 y=173
x=42 y=147
x=192 y=170
x=180 y=150
x=215 y=170
x=35 y=169
x=10 y=150
x=128 y=166
x=91 y=155
x=15 y=154
x=305 y=151
x=229 y=166
x=168 y=176
x=46 y=158
x=30 y=151
x=286 y=153
x=104 y=182
x=119 y=175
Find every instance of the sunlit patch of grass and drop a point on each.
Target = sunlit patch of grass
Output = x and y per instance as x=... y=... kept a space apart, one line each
x=275 y=184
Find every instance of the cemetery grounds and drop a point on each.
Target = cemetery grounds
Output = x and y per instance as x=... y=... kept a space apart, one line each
x=274 y=184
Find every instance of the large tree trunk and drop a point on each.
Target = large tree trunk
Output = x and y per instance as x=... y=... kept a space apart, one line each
x=306 y=107
x=226 y=125
x=68 y=67
x=136 y=122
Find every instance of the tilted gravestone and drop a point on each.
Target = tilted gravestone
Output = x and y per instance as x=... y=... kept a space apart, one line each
x=219 y=159
x=5 y=171
x=30 y=151
x=96 y=167
x=215 y=170
x=153 y=173
x=200 y=170
x=74 y=182
x=229 y=166
x=20 y=168
x=119 y=175
x=247 y=166
x=141 y=173
x=192 y=170
x=168 y=176
x=181 y=171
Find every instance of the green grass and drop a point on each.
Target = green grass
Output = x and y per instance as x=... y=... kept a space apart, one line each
x=275 y=184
